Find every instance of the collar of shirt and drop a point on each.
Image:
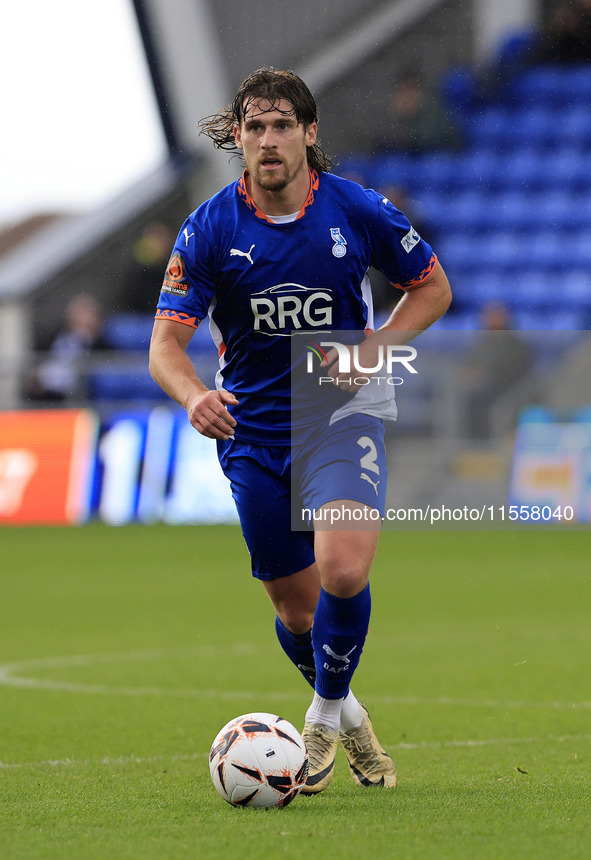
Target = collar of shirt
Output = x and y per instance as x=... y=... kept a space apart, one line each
x=245 y=196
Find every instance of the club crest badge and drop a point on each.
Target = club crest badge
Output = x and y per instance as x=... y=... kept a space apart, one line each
x=339 y=249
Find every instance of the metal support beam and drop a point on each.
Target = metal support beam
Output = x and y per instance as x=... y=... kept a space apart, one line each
x=185 y=54
x=338 y=58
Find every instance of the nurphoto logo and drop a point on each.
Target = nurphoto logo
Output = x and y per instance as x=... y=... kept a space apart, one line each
x=348 y=362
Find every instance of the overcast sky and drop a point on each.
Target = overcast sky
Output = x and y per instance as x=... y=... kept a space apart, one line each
x=79 y=121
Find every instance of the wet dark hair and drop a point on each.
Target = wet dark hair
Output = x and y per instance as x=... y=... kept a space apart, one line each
x=272 y=85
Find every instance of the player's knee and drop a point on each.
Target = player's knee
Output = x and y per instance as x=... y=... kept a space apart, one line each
x=297 y=619
x=344 y=578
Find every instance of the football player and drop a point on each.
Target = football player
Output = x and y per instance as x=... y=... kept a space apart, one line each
x=284 y=251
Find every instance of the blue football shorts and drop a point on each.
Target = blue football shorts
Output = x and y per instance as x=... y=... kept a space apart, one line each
x=274 y=485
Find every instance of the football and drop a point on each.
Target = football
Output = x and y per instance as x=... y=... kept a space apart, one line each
x=258 y=760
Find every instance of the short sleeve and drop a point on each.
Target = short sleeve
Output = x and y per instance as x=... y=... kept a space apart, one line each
x=189 y=283
x=399 y=251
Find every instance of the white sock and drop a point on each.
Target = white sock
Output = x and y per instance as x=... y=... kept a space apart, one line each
x=351 y=713
x=326 y=712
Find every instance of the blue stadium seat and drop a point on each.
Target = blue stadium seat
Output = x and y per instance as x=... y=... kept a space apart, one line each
x=537 y=127
x=543 y=85
x=391 y=169
x=460 y=253
x=502 y=129
x=579 y=249
x=546 y=320
x=485 y=287
x=524 y=169
x=574 y=288
x=433 y=207
x=491 y=128
x=129 y=330
x=550 y=249
x=574 y=127
x=502 y=250
x=459 y=89
x=576 y=80
x=356 y=166
x=556 y=209
x=118 y=382
x=436 y=171
x=480 y=170
x=569 y=168
x=468 y=212
x=514 y=49
x=533 y=289
x=512 y=210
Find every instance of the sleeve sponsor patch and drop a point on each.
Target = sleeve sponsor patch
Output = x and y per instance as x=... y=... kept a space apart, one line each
x=174 y=277
x=410 y=239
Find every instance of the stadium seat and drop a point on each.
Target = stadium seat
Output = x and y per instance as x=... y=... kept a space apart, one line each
x=537 y=127
x=512 y=210
x=574 y=127
x=579 y=249
x=129 y=330
x=459 y=90
x=485 y=287
x=491 y=129
x=480 y=170
x=573 y=289
x=550 y=249
x=576 y=80
x=436 y=171
x=534 y=288
x=555 y=209
x=468 y=213
x=356 y=167
x=549 y=320
x=524 y=169
x=390 y=169
x=543 y=85
x=569 y=169
x=460 y=253
x=432 y=207
x=120 y=382
x=502 y=250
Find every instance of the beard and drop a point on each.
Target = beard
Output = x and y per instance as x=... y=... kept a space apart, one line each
x=271 y=182
x=277 y=180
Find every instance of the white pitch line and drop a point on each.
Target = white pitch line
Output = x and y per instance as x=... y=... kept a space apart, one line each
x=10 y=676
x=434 y=745
x=124 y=759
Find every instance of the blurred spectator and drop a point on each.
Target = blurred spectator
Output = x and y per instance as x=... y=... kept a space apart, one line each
x=142 y=282
x=420 y=122
x=61 y=375
x=497 y=362
x=566 y=34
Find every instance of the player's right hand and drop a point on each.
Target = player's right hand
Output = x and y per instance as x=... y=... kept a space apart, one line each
x=208 y=413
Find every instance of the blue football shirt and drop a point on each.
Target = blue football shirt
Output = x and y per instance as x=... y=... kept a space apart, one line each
x=259 y=282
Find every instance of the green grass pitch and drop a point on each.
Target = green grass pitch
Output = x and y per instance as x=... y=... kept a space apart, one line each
x=123 y=651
